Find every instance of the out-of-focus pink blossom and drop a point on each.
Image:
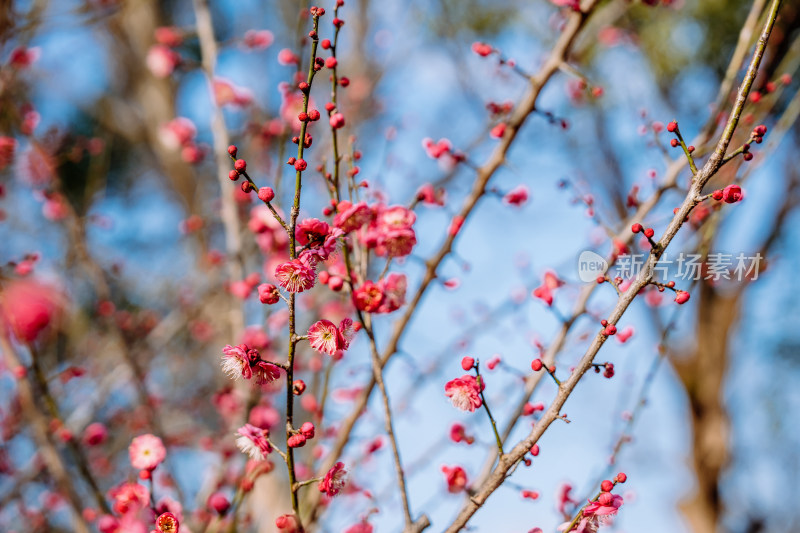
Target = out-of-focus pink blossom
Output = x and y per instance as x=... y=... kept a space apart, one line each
x=146 y=452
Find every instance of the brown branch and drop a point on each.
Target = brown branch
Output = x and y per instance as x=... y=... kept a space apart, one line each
x=41 y=434
x=674 y=169
x=229 y=214
x=506 y=463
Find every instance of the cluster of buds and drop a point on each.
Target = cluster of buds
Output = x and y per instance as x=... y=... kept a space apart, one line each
x=299 y=437
x=672 y=127
x=730 y=194
x=607 y=368
x=308 y=139
x=608 y=329
x=298 y=164
x=527 y=460
x=681 y=297
x=757 y=136
x=638 y=228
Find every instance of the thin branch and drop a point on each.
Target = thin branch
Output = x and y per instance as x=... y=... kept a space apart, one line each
x=712 y=165
x=41 y=434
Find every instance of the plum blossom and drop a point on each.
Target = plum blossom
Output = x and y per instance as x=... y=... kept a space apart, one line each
x=167 y=523
x=177 y=133
x=253 y=441
x=361 y=527
x=386 y=296
x=597 y=513
x=257 y=39
x=22 y=57
x=8 y=146
x=326 y=338
x=235 y=361
x=296 y=275
x=162 y=60
x=393 y=288
x=265 y=372
x=464 y=392
x=317 y=239
x=390 y=233
x=292 y=100
x=437 y=149
x=28 y=307
x=169 y=36
x=456 y=478
x=550 y=283
x=482 y=49
x=129 y=498
x=368 y=296
x=458 y=433
x=243 y=361
x=517 y=196
x=351 y=217
x=226 y=93
x=146 y=452
x=429 y=195
x=334 y=480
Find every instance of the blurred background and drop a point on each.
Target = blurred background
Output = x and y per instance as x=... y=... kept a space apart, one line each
x=111 y=212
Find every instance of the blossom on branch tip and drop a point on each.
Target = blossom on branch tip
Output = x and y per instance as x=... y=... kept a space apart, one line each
x=458 y=433
x=326 y=338
x=361 y=527
x=287 y=523
x=268 y=294
x=351 y=217
x=235 y=361
x=162 y=60
x=219 y=503
x=517 y=196
x=598 y=514
x=242 y=361
x=257 y=39
x=732 y=194
x=295 y=275
x=253 y=441
x=334 y=480
x=146 y=452
x=482 y=49
x=456 y=478
x=437 y=149
x=464 y=392
x=167 y=523
x=28 y=308
x=681 y=297
x=129 y=498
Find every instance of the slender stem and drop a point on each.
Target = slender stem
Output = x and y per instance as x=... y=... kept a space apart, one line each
x=80 y=458
x=686 y=151
x=152 y=495
x=334 y=87
x=377 y=372
x=268 y=204
x=292 y=297
x=497 y=438
x=301 y=484
x=552 y=372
